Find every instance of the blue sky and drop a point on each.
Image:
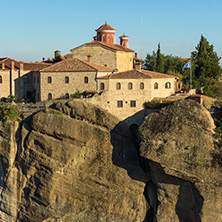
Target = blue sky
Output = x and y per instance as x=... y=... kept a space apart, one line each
x=34 y=29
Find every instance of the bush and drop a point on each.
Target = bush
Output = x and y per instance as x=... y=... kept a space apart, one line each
x=76 y=95
x=9 y=113
x=156 y=104
x=12 y=98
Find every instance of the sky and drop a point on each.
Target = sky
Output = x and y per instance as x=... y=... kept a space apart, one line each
x=32 y=29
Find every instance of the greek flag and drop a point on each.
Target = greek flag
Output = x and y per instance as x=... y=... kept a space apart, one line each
x=187 y=65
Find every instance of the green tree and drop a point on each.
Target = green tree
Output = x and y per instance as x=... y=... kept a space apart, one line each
x=159 y=61
x=205 y=61
x=150 y=61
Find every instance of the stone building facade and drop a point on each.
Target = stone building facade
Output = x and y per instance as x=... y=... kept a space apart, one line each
x=102 y=68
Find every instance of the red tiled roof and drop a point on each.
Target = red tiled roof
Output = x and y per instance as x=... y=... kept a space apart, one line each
x=115 y=47
x=132 y=74
x=105 y=27
x=75 y=65
x=35 y=66
x=27 y=65
x=67 y=56
x=156 y=75
x=137 y=59
x=124 y=36
x=136 y=74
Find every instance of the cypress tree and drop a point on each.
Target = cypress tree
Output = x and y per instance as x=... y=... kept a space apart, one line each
x=205 y=60
x=159 y=61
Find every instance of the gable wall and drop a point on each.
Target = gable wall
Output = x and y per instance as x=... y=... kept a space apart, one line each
x=100 y=55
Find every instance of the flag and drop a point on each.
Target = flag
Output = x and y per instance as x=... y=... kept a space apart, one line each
x=187 y=65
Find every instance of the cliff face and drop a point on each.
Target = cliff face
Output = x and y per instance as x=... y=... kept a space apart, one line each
x=185 y=162
x=75 y=164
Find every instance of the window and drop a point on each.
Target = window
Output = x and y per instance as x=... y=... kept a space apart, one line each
x=0 y=79
x=102 y=86
x=26 y=79
x=168 y=85
x=141 y=85
x=133 y=103
x=66 y=79
x=67 y=96
x=119 y=103
x=50 y=96
x=86 y=79
x=130 y=85
x=49 y=79
x=118 y=85
x=155 y=85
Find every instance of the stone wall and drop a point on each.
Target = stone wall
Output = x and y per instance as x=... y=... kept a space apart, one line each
x=100 y=55
x=13 y=83
x=162 y=91
x=124 y=61
x=58 y=88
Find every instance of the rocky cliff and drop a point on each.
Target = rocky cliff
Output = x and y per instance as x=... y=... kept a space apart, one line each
x=75 y=162
x=185 y=162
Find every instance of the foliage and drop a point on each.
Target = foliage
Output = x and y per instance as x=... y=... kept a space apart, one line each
x=213 y=88
x=9 y=112
x=205 y=61
x=12 y=98
x=166 y=64
x=218 y=124
x=156 y=104
x=76 y=95
x=159 y=61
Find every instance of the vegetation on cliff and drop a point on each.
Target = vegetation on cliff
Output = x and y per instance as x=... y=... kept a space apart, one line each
x=9 y=112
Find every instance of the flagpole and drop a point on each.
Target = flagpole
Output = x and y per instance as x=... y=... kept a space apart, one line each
x=190 y=76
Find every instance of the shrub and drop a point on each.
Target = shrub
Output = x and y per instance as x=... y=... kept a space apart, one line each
x=76 y=95
x=9 y=112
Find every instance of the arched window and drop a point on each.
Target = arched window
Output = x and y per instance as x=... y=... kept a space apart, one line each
x=66 y=79
x=108 y=39
x=118 y=85
x=167 y=85
x=67 y=96
x=102 y=86
x=130 y=85
x=155 y=85
x=0 y=79
x=49 y=79
x=50 y=96
x=141 y=85
x=86 y=80
x=103 y=38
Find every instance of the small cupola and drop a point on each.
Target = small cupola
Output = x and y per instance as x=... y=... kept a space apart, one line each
x=106 y=34
x=124 y=41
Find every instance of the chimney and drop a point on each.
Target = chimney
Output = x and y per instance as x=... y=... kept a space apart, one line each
x=89 y=58
x=12 y=65
x=135 y=54
x=57 y=54
x=138 y=66
x=124 y=41
x=43 y=59
x=3 y=65
x=21 y=65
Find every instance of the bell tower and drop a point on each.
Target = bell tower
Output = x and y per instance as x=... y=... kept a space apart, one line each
x=106 y=34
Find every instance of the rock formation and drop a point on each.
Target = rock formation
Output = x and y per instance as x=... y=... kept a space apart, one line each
x=185 y=162
x=75 y=162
